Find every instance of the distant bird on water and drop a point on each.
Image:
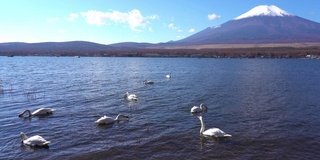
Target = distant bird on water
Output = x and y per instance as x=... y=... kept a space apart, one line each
x=130 y=97
x=148 y=82
x=168 y=75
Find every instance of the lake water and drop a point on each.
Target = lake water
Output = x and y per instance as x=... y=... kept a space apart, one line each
x=270 y=107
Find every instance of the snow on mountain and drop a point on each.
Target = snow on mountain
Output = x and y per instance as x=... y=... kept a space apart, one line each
x=264 y=10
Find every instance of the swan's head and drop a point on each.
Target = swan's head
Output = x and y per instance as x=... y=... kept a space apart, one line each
x=23 y=136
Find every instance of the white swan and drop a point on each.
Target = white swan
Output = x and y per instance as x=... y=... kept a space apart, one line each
x=196 y=109
x=34 y=141
x=38 y=112
x=168 y=75
x=108 y=120
x=212 y=132
x=130 y=97
x=148 y=82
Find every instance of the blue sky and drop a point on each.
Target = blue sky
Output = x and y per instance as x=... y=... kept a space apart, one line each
x=113 y=21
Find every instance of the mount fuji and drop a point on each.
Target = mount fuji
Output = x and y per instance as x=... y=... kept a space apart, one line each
x=262 y=24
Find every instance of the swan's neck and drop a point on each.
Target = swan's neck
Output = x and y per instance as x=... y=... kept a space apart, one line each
x=203 y=107
x=126 y=95
x=117 y=118
x=202 y=126
x=27 y=110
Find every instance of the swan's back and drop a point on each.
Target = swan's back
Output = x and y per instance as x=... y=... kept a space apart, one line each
x=42 y=111
x=36 y=141
x=105 y=120
x=132 y=97
x=195 y=109
x=215 y=132
x=148 y=82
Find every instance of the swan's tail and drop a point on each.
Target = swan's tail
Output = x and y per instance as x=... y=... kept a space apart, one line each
x=47 y=142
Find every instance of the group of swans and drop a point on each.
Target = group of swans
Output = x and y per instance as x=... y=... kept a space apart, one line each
x=212 y=132
x=133 y=97
x=35 y=141
x=151 y=82
x=38 y=141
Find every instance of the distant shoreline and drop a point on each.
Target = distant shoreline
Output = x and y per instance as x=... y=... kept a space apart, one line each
x=293 y=50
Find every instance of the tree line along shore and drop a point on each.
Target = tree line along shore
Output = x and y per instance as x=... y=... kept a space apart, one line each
x=259 y=52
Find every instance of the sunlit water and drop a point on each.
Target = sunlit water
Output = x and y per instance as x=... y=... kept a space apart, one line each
x=270 y=107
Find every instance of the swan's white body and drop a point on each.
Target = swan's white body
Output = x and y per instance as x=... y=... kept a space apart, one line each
x=108 y=120
x=38 y=112
x=212 y=132
x=168 y=75
x=148 y=82
x=130 y=97
x=196 y=109
x=34 y=141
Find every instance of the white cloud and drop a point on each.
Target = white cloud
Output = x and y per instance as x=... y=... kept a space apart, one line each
x=153 y=17
x=213 y=16
x=73 y=16
x=170 y=25
x=150 y=29
x=173 y=27
x=191 y=30
x=54 y=19
x=133 y=18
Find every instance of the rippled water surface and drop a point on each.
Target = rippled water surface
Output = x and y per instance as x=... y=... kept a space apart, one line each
x=270 y=107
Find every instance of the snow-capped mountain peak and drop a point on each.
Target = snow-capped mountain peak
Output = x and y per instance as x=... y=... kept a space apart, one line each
x=264 y=10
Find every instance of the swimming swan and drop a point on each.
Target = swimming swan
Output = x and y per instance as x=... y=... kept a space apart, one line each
x=108 y=120
x=38 y=112
x=34 y=141
x=130 y=97
x=148 y=82
x=168 y=75
x=196 y=109
x=212 y=132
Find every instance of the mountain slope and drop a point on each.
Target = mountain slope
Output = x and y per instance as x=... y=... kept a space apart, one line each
x=54 y=47
x=270 y=25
